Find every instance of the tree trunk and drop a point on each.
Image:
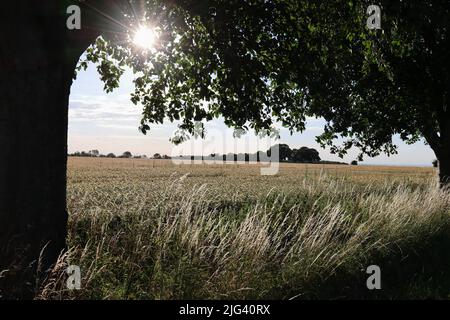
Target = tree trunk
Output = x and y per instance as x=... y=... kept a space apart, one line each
x=444 y=155
x=37 y=62
x=33 y=173
x=444 y=172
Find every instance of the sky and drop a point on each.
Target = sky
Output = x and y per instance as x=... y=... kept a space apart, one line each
x=109 y=123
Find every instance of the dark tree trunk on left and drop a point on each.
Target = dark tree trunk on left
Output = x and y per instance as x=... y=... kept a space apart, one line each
x=37 y=62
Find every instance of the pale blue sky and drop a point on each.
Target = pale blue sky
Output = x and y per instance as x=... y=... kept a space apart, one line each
x=109 y=122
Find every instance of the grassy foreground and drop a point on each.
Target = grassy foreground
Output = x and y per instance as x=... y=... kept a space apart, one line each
x=152 y=230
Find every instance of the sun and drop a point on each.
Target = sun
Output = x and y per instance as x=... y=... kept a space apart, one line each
x=145 y=38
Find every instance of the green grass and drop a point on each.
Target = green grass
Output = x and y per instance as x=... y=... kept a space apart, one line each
x=222 y=232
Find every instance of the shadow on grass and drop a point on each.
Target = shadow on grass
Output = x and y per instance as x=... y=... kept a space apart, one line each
x=420 y=271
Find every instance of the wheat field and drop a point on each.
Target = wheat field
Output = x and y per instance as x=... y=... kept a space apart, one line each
x=149 y=229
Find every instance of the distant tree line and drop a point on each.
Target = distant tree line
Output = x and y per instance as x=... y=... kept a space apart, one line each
x=286 y=154
x=158 y=156
x=125 y=155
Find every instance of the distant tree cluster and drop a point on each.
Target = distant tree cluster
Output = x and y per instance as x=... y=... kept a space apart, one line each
x=158 y=156
x=286 y=154
x=89 y=154
x=302 y=155
x=97 y=154
x=125 y=155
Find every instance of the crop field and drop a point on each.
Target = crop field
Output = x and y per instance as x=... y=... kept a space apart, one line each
x=150 y=229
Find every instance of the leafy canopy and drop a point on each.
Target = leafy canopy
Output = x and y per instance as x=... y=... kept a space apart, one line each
x=257 y=62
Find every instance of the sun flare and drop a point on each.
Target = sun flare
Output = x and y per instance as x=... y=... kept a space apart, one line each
x=145 y=38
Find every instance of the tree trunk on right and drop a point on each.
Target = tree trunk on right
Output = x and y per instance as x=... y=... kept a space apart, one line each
x=444 y=174
x=444 y=168
x=443 y=153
